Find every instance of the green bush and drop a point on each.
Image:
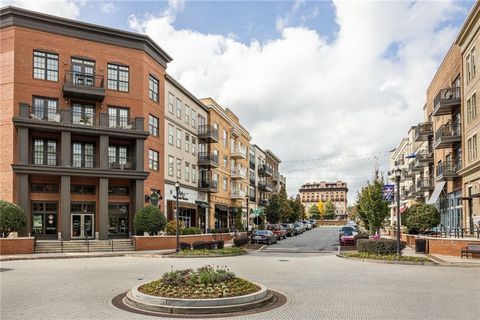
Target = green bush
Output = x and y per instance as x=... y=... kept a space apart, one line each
x=149 y=219
x=221 y=230
x=172 y=227
x=12 y=218
x=191 y=230
x=360 y=236
x=424 y=217
x=185 y=246
x=378 y=246
x=240 y=241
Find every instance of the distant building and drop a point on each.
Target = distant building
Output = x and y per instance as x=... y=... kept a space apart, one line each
x=312 y=193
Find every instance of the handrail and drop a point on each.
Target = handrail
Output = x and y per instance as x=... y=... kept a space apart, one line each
x=111 y=240
x=87 y=242
x=61 y=242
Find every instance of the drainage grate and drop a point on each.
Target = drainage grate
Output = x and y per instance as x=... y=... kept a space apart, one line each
x=283 y=260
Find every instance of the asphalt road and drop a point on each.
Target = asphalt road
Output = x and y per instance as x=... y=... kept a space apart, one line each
x=321 y=239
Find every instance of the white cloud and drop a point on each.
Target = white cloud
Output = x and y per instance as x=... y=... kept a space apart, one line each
x=108 y=8
x=64 y=8
x=305 y=98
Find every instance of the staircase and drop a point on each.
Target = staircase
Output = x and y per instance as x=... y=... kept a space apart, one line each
x=45 y=246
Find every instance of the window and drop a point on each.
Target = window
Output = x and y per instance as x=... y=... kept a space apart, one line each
x=187 y=142
x=187 y=114
x=179 y=108
x=170 y=165
x=153 y=88
x=187 y=171
x=117 y=77
x=225 y=161
x=474 y=147
x=119 y=191
x=467 y=62
x=118 y=157
x=179 y=169
x=474 y=106
x=82 y=189
x=171 y=101
x=225 y=139
x=194 y=145
x=83 y=155
x=83 y=114
x=83 y=72
x=45 y=152
x=194 y=116
x=472 y=61
x=45 y=66
x=194 y=173
x=225 y=183
x=201 y=121
x=45 y=109
x=44 y=188
x=170 y=134
x=179 y=138
x=153 y=125
x=215 y=177
x=118 y=118
x=153 y=160
x=469 y=110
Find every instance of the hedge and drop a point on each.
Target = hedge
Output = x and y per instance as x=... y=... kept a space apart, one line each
x=185 y=246
x=191 y=230
x=221 y=230
x=199 y=245
x=379 y=246
x=360 y=236
x=241 y=241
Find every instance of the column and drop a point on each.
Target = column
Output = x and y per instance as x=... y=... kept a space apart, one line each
x=103 y=152
x=140 y=154
x=139 y=197
x=24 y=202
x=66 y=148
x=23 y=145
x=65 y=217
x=103 y=208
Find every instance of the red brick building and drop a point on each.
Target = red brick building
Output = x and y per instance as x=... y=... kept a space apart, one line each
x=81 y=148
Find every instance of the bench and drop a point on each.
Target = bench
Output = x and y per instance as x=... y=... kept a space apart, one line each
x=471 y=248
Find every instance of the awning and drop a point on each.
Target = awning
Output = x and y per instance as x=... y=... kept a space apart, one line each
x=436 y=192
x=221 y=207
x=202 y=204
x=233 y=210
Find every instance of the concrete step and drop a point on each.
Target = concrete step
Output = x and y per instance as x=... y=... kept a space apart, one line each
x=81 y=246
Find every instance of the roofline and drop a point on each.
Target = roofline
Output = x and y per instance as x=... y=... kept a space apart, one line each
x=440 y=66
x=180 y=87
x=271 y=154
x=14 y=16
x=467 y=24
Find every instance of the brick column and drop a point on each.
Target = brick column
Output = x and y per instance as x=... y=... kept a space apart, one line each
x=64 y=213
x=103 y=152
x=103 y=208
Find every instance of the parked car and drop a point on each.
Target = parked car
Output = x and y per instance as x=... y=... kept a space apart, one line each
x=347 y=235
x=313 y=222
x=307 y=224
x=263 y=236
x=278 y=231
x=290 y=229
x=299 y=227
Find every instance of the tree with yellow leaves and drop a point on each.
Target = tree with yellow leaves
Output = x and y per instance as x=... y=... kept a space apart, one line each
x=321 y=209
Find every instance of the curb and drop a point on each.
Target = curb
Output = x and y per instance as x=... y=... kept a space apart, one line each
x=172 y=255
x=390 y=262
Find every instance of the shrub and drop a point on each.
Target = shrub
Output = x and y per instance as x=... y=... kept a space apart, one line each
x=221 y=230
x=172 y=227
x=12 y=218
x=240 y=241
x=424 y=217
x=185 y=246
x=198 y=245
x=220 y=244
x=360 y=236
x=191 y=230
x=380 y=246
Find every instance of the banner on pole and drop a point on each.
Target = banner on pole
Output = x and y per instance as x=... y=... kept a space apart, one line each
x=388 y=191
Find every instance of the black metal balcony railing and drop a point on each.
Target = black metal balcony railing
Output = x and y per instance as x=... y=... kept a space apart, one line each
x=87 y=86
x=447 y=95
x=208 y=184
x=448 y=130
x=42 y=113
x=423 y=131
x=44 y=158
x=252 y=181
x=87 y=119
x=206 y=159
x=425 y=183
x=208 y=133
x=121 y=163
x=121 y=122
x=85 y=161
x=447 y=169
x=265 y=170
x=83 y=79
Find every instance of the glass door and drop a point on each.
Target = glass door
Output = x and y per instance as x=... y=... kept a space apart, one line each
x=118 y=220
x=83 y=72
x=44 y=219
x=83 y=225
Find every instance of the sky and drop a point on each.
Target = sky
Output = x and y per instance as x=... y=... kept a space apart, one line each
x=329 y=86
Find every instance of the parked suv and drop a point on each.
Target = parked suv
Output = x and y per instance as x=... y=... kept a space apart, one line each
x=278 y=231
x=290 y=229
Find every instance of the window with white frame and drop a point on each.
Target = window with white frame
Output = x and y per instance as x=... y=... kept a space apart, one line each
x=187 y=142
x=153 y=160
x=194 y=173
x=194 y=145
x=171 y=161
x=179 y=169
x=469 y=110
x=153 y=125
x=194 y=116
x=179 y=108
x=187 y=114
x=170 y=134
x=474 y=105
x=179 y=138
x=467 y=67
x=225 y=161
x=225 y=183
x=225 y=139
x=171 y=102
x=187 y=171
x=472 y=62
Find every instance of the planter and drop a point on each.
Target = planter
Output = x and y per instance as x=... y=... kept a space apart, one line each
x=137 y=299
x=17 y=245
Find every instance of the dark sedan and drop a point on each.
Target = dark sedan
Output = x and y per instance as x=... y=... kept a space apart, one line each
x=263 y=236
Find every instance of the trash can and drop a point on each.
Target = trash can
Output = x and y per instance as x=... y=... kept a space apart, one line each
x=421 y=246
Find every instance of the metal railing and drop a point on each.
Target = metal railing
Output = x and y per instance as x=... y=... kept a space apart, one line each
x=44 y=113
x=448 y=130
x=83 y=79
x=423 y=128
x=121 y=163
x=207 y=157
x=447 y=95
x=208 y=184
x=85 y=161
x=448 y=167
x=207 y=130
x=44 y=158
x=121 y=122
x=84 y=118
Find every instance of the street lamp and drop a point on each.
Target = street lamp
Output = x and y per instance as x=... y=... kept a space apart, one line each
x=398 y=175
x=246 y=198
x=177 y=189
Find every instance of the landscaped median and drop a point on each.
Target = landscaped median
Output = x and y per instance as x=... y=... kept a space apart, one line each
x=230 y=251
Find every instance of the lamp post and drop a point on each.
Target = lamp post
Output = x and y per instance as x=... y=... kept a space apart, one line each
x=398 y=175
x=177 y=189
x=246 y=198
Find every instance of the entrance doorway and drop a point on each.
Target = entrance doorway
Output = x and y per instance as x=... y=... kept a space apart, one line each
x=187 y=216
x=44 y=219
x=83 y=220
x=118 y=220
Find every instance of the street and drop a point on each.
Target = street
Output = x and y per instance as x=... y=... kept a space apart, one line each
x=324 y=239
x=317 y=285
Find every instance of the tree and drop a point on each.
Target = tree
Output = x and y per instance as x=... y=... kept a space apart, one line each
x=273 y=209
x=372 y=209
x=12 y=218
x=329 y=210
x=422 y=218
x=149 y=219
x=285 y=208
x=321 y=209
x=313 y=212
x=238 y=219
x=298 y=209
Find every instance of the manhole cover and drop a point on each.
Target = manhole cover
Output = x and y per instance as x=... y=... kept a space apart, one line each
x=283 y=260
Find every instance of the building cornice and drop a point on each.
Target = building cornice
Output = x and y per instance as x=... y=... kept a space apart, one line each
x=272 y=155
x=177 y=84
x=468 y=25
x=17 y=17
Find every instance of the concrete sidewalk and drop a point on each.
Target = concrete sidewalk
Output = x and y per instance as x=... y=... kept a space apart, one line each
x=72 y=255
x=443 y=260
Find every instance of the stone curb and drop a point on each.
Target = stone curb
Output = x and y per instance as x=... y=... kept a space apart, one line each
x=172 y=255
x=390 y=262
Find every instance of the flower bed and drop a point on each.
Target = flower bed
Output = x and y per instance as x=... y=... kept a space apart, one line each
x=212 y=252
x=207 y=282
x=388 y=257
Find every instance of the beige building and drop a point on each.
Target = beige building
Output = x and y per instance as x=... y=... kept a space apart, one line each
x=468 y=40
x=183 y=113
x=336 y=192
x=229 y=173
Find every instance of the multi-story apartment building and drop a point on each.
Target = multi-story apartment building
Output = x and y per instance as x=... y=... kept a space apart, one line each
x=336 y=192
x=77 y=154
x=183 y=114
x=230 y=174
x=468 y=40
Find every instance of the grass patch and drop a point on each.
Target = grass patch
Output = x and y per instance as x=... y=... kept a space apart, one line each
x=204 y=283
x=386 y=257
x=211 y=252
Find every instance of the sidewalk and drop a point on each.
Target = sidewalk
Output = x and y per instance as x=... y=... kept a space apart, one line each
x=443 y=260
x=35 y=256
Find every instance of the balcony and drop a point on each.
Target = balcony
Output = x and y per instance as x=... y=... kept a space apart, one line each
x=276 y=177
x=234 y=132
x=207 y=134
x=207 y=160
x=265 y=170
x=83 y=86
x=447 y=170
x=410 y=192
x=44 y=158
x=447 y=136
x=423 y=131
x=408 y=173
x=121 y=163
x=252 y=181
x=237 y=194
x=237 y=152
x=446 y=101
x=206 y=185
x=425 y=184
x=85 y=161
x=422 y=159
x=252 y=198
x=237 y=173
x=263 y=202
x=251 y=164
x=264 y=186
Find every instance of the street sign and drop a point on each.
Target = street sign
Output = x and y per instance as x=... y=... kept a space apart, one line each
x=387 y=191
x=257 y=212
x=257 y=220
